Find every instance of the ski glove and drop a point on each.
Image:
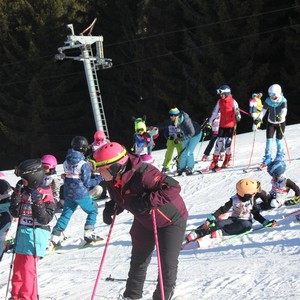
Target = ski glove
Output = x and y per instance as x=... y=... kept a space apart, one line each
x=140 y=204
x=211 y=219
x=269 y=223
x=178 y=140
x=109 y=210
x=99 y=179
x=256 y=121
x=207 y=129
x=278 y=118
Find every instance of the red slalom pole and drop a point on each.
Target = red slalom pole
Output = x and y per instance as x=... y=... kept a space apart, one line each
x=160 y=275
x=103 y=255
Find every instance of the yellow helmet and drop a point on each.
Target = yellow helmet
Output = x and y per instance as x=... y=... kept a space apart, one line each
x=246 y=188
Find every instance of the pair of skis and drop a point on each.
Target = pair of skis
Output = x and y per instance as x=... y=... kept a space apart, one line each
x=68 y=242
x=207 y=241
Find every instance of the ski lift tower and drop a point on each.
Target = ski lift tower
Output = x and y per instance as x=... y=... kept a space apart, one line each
x=91 y=65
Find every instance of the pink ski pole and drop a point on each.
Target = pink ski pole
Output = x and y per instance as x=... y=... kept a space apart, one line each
x=161 y=283
x=103 y=255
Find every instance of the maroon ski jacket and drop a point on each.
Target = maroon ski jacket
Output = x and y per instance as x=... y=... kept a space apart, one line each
x=139 y=178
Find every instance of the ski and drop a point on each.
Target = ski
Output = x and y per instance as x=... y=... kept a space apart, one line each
x=254 y=169
x=298 y=217
x=63 y=248
x=204 y=171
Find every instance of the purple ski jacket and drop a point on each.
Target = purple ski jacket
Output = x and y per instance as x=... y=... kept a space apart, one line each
x=163 y=191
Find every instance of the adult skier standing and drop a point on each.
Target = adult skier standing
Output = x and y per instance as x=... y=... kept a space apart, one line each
x=143 y=190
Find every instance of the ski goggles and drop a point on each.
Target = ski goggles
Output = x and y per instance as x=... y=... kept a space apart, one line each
x=107 y=163
x=220 y=91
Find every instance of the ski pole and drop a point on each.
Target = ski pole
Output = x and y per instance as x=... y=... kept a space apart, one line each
x=176 y=158
x=160 y=275
x=104 y=254
x=244 y=112
x=201 y=143
x=109 y=278
x=253 y=143
x=12 y=258
x=234 y=147
x=287 y=148
x=35 y=262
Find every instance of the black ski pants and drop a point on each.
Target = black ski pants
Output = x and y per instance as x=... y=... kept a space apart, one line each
x=232 y=226
x=143 y=243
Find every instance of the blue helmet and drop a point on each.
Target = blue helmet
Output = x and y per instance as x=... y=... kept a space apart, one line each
x=276 y=168
x=224 y=89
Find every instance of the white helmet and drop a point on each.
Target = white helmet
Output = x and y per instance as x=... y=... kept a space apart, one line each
x=275 y=91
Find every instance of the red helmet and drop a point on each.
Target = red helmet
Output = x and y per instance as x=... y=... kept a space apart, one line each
x=49 y=160
x=99 y=136
x=110 y=154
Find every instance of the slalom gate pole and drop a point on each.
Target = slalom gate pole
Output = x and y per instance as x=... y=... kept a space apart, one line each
x=253 y=144
x=160 y=275
x=103 y=255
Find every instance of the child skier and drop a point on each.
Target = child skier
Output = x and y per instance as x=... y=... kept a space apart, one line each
x=230 y=115
x=5 y=217
x=51 y=179
x=99 y=140
x=255 y=107
x=144 y=190
x=213 y=129
x=143 y=139
x=190 y=135
x=243 y=206
x=98 y=192
x=276 y=104
x=34 y=205
x=171 y=132
x=280 y=187
x=77 y=182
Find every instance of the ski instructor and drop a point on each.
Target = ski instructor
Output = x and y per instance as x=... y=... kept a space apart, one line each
x=143 y=190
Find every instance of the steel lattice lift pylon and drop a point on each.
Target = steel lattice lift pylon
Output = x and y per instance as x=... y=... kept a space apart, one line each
x=91 y=65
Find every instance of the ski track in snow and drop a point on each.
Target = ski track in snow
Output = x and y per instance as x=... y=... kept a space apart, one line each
x=261 y=265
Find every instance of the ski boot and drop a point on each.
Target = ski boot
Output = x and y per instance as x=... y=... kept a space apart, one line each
x=226 y=161
x=214 y=163
x=188 y=171
x=216 y=234
x=198 y=233
x=268 y=154
x=54 y=243
x=204 y=158
x=90 y=236
x=222 y=156
x=179 y=172
x=165 y=170
x=280 y=152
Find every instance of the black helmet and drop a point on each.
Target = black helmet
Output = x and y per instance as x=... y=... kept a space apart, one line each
x=31 y=170
x=5 y=190
x=80 y=143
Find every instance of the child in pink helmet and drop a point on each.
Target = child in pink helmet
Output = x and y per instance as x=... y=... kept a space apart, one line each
x=51 y=179
x=99 y=140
